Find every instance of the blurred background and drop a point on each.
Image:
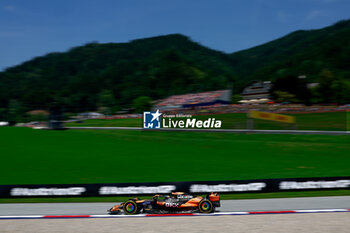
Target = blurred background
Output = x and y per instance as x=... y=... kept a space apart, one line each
x=86 y=59
x=102 y=63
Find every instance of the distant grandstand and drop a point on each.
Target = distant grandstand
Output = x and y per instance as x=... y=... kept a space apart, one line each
x=257 y=92
x=193 y=100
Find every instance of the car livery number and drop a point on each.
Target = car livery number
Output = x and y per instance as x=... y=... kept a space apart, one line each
x=171 y=204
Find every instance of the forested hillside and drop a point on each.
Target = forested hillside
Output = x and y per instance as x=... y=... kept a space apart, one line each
x=299 y=53
x=114 y=75
x=154 y=67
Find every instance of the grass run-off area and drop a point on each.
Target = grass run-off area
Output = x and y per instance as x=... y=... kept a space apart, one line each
x=338 y=121
x=31 y=156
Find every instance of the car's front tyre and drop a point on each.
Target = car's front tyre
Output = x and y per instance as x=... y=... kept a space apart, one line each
x=205 y=206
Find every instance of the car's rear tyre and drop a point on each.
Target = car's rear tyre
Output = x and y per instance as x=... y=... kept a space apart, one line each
x=205 y=206
x=130 y=207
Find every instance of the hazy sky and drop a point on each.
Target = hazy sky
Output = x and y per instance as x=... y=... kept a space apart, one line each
x=30 y=28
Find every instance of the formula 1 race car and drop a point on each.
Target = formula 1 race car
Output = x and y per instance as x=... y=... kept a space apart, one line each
x=177 y=202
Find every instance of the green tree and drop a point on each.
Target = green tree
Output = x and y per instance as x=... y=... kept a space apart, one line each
x=292 y=85
x=3 y=114
x=106 y=102
x=236 y=98
x=331 y=89
x=142 y=103
x=283 y=96
x=15 y=111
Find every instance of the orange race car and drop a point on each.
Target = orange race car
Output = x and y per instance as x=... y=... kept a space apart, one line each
x=177 y=202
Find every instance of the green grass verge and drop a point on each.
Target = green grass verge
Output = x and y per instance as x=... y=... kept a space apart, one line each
x=222 y=196
x=308 y=121
x=73 y=157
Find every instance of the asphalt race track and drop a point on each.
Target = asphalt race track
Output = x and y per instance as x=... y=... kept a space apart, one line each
x=274 y=204
x=277 y=223
x=302 y=222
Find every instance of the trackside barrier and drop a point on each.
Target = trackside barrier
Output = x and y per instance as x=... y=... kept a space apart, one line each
x=195 y=187
x=251 y=115
x=173 y=215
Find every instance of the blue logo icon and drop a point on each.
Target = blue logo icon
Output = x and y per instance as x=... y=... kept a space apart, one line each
x=151 y=120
